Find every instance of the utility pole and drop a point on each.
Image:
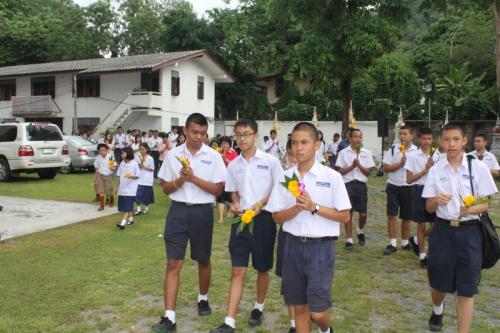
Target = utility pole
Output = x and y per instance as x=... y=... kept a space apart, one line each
x=75 y=119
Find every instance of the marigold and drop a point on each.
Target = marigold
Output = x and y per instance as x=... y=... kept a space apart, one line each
x=469 y=200
x=402 y=148
x=127 y=174
x=247 y=216
x=433 y=149
x=184 y=161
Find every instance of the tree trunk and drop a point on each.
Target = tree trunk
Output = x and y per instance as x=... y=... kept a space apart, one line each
x=496 y=20
x=346 y=92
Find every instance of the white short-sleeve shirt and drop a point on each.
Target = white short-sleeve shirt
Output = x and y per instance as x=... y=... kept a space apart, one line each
x=121 y=140
x=488 y=158
x=397 y=177
x=326 y=188
x=207 y=164
x=346 y=158
x=415 y=163
x=442 y=178
x=102 y=164
x=438 y=156
x=272 y=147
x=332 y=147
x=254 y=179
x=128 y=187
x=320 y=152
x=147 y=177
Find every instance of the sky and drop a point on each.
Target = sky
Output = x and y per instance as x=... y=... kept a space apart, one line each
x=199 y=6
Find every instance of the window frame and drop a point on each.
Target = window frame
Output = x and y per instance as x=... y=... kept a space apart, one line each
x=50 y=80
x=175 y=83
x=201 y=87
x=88 y=86
x=7 y=89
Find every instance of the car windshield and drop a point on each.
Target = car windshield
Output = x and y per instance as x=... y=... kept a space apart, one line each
x=36 y=132
x=80 y=142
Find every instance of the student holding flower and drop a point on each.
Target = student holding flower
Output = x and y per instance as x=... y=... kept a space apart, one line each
x=454 y=256
x=145 y=192
x=311 y=220
x=355 y=164
x=128 y=179
x=481 y=154
x=250 y=180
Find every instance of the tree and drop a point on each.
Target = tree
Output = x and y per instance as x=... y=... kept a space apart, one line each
x=340 y=38
x=102 y=23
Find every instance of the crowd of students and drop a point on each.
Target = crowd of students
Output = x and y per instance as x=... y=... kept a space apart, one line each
x=425 y=184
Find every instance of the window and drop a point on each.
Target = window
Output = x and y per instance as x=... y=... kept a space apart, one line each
x=37 y=132
x=7 y=89
x=201 y=87
x=176 y=82
x=150 y=81
x=8 y=133
x=88 y=86
x=87 y=124
x=42 y=86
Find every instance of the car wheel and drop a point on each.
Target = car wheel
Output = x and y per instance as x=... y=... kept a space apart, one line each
x=4 y=170
x=47 y=173
x=67 y=169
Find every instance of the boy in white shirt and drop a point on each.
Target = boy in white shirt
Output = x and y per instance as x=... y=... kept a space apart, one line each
x=417 y=166
x=192 y=185
x=247 y=193
x=399 y=193
x=355 y=164
x=455 y=242
x=272 y=146
x=312 y=222
x=481 y=154
x=104 y=166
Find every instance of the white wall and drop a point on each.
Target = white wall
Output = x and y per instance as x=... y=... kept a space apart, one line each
x=369 y=128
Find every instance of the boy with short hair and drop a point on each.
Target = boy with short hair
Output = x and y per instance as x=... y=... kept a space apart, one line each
x=312 y=222
x=355 y=164
x=455 y=242
x=104 y=166
x=246 y=193
x=399 y=193
x=193 y=175
x=481 y=154
x=272 y=145
x=417 y=166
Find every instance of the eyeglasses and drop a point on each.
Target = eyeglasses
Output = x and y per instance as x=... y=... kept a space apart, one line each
x=243 y=136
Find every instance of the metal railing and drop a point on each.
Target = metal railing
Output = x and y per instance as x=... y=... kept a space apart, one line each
x=33 y=105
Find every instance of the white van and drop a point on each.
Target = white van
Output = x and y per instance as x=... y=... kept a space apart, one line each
x=32 y=147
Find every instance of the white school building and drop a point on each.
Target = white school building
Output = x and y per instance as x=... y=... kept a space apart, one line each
x=155 y=91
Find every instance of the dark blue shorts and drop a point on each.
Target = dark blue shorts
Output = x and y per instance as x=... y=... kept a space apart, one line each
x=279 y=251
x=145 y=195
x=189 y=222
x=308 y=273
x=260 y=244
x=125 y=203
x=455 y=259
x=399 y=198
x=358 y=195
x=420 y=214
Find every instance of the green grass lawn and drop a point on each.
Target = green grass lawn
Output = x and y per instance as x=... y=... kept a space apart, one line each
x=91 y=277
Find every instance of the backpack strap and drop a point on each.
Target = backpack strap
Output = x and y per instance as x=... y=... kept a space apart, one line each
x=392 y=150
x=469 y=164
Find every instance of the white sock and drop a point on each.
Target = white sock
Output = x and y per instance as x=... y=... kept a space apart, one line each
x=404 y=242
x=394 y=242
x=146 y=209
x=438 y=309
x=359 y=231
x=202 y=297
x=292 y=323
x=138 y=209
x=123 y=222
x=170 y=314
x=415 y=239
x=230 y=321
x=259 y=306
x=327 y=330
x=130 y=219
x=349 y=240
x=422 y=256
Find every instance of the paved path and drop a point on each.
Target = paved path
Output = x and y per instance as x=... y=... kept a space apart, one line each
x=22 y=216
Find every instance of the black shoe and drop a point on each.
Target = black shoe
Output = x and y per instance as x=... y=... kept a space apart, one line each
x=407 y=247
x=164 y=326
x=122 y=227
x=1 y=208
x=292 y=330
x=349 y=246
x=361 y=239
x=436 y=322
x=423 y=263
x=224 y=328
x=256 y=317
x=137 y=213
x=204 y=308
x=389 y=249
x=414 y=245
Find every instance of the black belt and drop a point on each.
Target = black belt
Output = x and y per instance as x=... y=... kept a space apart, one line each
x=456 y=224
x=314 y=239
x=189 y=204
x=355 y=181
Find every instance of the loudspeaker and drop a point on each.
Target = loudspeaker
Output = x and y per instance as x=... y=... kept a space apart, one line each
x=382 y=128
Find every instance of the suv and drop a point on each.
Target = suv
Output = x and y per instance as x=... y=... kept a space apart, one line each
x=32 y=147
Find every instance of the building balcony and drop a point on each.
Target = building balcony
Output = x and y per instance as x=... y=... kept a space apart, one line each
x=143 y=100
x=34 y=105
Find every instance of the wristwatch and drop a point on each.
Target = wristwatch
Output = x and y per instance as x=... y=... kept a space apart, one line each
x=316 y=209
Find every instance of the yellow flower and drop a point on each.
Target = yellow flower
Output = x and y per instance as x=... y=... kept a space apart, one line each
x=293 y=187
x=218 y=149
x=402 y=148
x=111 y=162
x=184 y=161
x=127 y=174
x=469 y=200
x=433 y=149
x=247 y=216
